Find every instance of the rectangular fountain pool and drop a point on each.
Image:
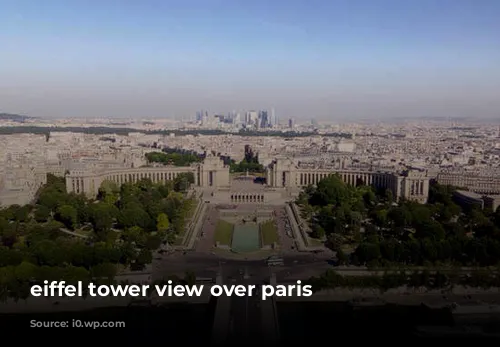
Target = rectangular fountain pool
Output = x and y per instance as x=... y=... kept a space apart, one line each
x=246 y=238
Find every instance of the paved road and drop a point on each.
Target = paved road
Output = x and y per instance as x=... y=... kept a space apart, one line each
x=296 y=266
x=287 y=242
x=207 y=233
x=246 y=312
x=207 y=265
x=245 y=315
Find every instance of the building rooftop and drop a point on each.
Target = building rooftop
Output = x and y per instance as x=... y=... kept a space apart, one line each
x=468 y=194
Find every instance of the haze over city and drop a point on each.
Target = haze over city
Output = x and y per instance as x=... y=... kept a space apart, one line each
x=328 y=60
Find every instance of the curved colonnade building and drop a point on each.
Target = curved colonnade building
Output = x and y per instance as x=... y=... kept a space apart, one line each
x=284 y=180
x=212 y=173
x=476 y=183
x=410 y=185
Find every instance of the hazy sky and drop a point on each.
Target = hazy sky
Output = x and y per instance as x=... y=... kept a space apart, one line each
x=325 y=59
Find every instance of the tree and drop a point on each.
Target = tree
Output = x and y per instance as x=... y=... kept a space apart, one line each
x=10 y=256
x=104 y=270
x=496 y=217
x=182 y=181
x=367 y=252
x=379 y=217
x=355 y=218
x=75 y=274
x=134 y=215
x=399 y=216
x=25 y=271
x=8 y=233
x=389 y=197
x=174 y=158
x=47 y=252
x=430 y=229
x=429 y=250
x=369 y=198
x=108 y=191
x=128 y=194
x=164 y=190
x=53 y=194
x=22 y=213
x=162 y=222
x=101 y=218
x=302 y=199
x=334 y=242
x=135 y=235
x=153 y=242
x=67 y=215
x=342 y=258
x=144 y=257
x=318 y=232
x=103 y=252
x=172 y=205
x=145 y=184
x=42 y=213
x=81 y=204
x=330 y=191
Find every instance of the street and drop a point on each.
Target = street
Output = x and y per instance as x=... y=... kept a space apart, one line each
x=245 y=315
x=207 y=265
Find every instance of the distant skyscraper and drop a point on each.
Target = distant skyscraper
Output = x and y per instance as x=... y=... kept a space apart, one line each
x=199 y=116
x=274 y=121
x=291 y=123
x=251 y=118
x=263 y=119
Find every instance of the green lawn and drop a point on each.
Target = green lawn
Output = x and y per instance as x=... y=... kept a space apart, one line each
x=269 y=233
x=193 y=204
x=315 y=242
x=189 y=214
x=223 y=232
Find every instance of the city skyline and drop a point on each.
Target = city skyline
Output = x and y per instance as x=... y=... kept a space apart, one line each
x=315 y=59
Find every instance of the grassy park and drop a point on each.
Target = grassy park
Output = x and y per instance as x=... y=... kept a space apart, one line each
x=269 y=232
x=223 y=232
x=191 y=209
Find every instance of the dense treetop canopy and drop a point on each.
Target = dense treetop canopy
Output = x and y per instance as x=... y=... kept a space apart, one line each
x=72 y=238
x=367 y=227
